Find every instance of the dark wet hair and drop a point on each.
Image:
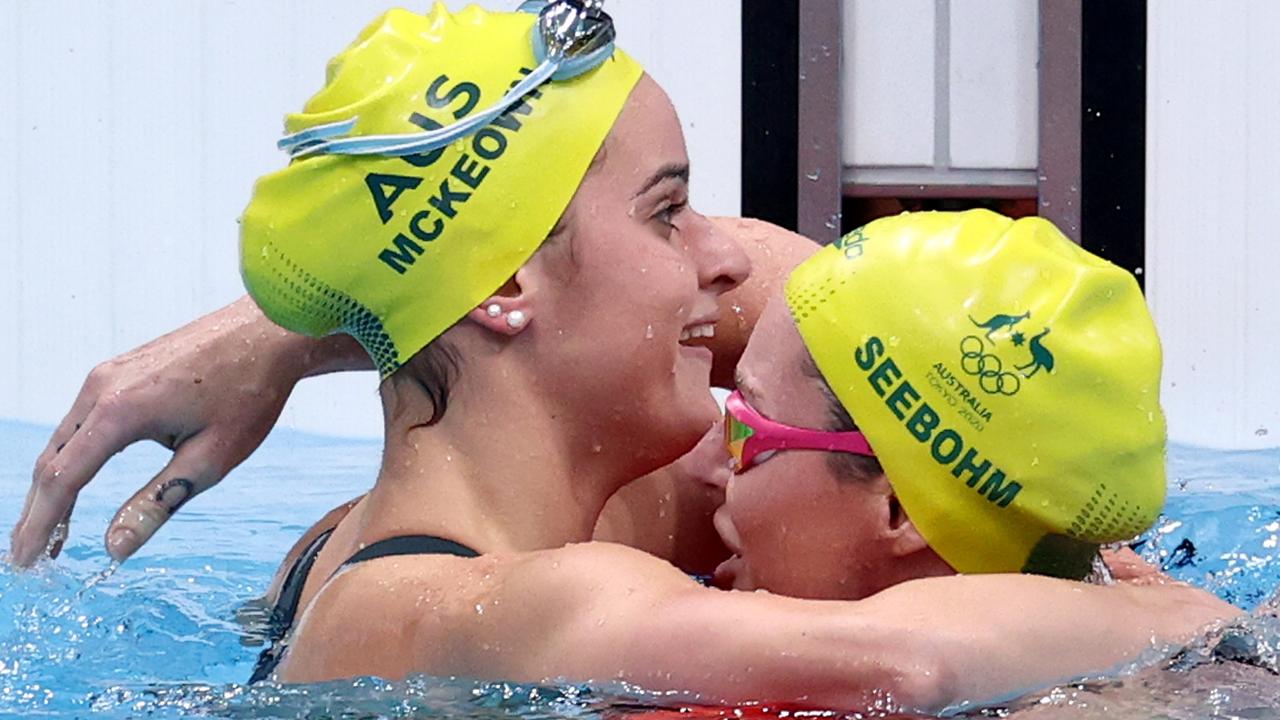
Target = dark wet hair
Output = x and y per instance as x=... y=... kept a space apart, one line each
x=433 y=369
x=846 y=466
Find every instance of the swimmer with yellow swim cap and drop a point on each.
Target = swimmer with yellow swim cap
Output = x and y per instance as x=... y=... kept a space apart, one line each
x=506 y=231
x=992 y=393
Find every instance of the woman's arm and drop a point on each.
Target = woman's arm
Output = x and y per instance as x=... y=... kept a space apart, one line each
x=601 y=612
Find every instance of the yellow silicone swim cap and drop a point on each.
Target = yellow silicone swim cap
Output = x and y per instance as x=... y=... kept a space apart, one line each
x=1007 y=379
x=396 y=250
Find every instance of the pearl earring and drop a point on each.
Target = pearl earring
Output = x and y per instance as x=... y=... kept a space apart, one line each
x=494 y=310
x=515 y=319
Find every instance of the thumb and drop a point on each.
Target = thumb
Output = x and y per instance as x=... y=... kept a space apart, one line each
x=193 y=469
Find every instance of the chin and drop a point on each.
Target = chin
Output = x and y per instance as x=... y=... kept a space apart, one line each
x=699 y=422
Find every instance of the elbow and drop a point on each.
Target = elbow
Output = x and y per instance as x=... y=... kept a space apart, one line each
x=901 y=676
x=931 y=685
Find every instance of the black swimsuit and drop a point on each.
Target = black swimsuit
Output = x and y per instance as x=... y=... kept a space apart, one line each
x=286 y=607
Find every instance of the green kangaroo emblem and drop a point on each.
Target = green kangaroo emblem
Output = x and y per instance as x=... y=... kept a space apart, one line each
x=1040 y=357
x=1001 y=322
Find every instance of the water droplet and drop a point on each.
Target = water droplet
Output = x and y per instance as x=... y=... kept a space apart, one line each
x=648 y=332
x=817 y=173
x=479 y=609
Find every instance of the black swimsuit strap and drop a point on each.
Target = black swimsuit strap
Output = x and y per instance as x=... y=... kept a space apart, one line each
x=409 y=545
x=286 y=607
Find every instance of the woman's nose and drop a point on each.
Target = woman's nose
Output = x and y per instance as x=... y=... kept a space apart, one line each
x=722 y=264
x=708 y=462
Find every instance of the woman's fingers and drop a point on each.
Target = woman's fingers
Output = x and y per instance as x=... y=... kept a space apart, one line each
x=70 y=424
x=195 y=467
x=61 y=435
x=60 y=532
x=57 y=483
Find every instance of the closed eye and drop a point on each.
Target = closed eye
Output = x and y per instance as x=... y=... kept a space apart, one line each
x=667 y=215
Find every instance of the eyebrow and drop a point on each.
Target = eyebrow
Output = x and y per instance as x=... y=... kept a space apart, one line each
x=678 y=171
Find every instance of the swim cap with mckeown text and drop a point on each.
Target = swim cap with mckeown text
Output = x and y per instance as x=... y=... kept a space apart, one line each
x=394 y=250
x=1007 y=379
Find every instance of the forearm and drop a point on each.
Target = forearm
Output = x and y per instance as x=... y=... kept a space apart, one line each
x=923 y=645
x=1002 y=634
x=295 y=354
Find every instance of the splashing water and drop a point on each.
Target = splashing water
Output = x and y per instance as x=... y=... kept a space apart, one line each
x=174 y=631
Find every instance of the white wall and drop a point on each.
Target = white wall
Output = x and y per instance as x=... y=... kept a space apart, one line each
x=1213 y=211
x=133 y=132
x=940 y=92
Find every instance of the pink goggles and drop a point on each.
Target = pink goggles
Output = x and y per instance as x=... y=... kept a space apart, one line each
x=748 y=435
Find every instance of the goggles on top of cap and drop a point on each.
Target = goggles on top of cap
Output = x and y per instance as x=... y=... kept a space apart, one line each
x=751 y=438
x=570 y=38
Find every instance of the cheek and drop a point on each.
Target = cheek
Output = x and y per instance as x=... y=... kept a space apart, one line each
x=769 y=503
x=799 y=527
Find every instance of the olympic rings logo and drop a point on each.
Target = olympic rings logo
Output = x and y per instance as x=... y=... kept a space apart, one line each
x=988 y=368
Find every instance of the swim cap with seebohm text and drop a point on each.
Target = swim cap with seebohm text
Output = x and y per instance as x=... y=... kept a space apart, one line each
x=1007 y=379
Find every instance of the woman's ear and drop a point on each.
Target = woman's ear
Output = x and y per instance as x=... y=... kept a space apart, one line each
x=904 y=538
x=506 y=312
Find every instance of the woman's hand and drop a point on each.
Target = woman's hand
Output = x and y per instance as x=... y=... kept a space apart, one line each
x=210 y=391
x=1127 y=566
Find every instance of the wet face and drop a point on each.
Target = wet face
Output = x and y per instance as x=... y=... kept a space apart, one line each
x=634 y=275
x=795 y=527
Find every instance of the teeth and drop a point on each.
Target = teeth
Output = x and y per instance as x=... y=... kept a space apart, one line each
x=706 y=330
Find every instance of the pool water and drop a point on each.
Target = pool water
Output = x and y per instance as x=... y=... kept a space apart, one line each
x=158 y=636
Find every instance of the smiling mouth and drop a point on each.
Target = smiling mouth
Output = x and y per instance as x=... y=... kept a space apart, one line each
x=697 y=332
